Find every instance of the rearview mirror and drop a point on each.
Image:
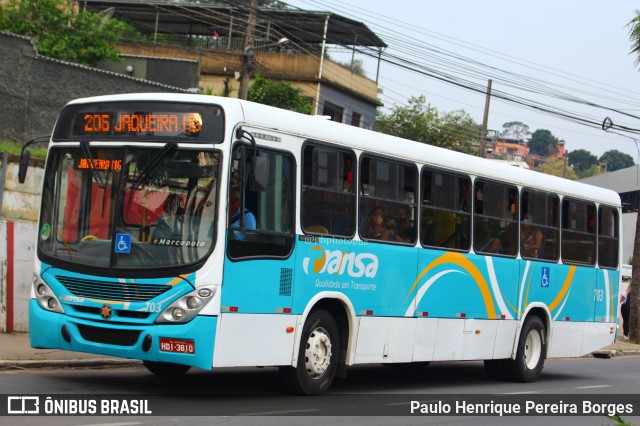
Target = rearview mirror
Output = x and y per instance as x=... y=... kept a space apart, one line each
x=23 y=166
x=25 y=155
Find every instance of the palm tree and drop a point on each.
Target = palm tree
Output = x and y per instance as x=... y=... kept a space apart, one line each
x=634 y=290
x=634 y=36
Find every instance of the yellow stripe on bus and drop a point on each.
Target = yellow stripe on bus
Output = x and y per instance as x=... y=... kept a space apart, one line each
x=565 y=288
x=464 y=263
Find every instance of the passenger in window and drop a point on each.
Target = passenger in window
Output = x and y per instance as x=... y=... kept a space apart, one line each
x=405 y=232
x=485 y=242
x=374 y=227
x=235 y=216
x=531 y=239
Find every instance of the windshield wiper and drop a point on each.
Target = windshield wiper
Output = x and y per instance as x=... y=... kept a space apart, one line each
x=86 y=150
x=155 y=161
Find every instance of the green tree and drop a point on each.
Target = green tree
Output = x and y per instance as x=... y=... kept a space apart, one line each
x=59 y=31
x=581 y=160
x=557 y=167
x=594 y=170
x=616 y=160
x=421 y=122
x=279 y=94
x=515 y=129
x=543 y=143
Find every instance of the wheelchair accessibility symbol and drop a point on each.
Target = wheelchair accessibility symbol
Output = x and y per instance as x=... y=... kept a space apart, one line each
x=545 y=277
x=123 y=243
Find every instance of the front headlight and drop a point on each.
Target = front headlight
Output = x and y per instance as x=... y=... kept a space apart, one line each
x=187 y=306
x=45 y=297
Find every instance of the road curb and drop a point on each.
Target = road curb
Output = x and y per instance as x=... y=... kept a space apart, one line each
x=613 y=352
x=629 y=352
x=68 y=363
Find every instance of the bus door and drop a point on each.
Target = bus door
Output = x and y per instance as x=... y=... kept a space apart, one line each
x=258 y=272
x=606 y=294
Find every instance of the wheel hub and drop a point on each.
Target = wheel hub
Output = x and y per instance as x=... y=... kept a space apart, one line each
x=318 y=352
x=532 y=349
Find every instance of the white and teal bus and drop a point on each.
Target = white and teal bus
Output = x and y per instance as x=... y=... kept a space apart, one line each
x=197 y=231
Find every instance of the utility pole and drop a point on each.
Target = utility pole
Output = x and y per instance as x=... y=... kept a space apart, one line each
x=483 y=134
x=248 y=50
x=633 y=292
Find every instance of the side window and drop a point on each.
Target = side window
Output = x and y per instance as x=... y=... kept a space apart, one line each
x=578 y=232
x=445 y=210
x=608 y=240
x=539 y=226
x=495 y=218
x=328 y=194
x=387 y=201
x=260 y=220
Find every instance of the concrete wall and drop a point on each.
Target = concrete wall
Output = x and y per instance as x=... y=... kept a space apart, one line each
x=34 y=88
x=173 y=72
x=20 y=202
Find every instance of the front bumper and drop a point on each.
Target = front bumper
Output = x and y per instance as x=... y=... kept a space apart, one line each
x=52 y=330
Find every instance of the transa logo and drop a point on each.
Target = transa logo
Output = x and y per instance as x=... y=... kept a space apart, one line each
x=337 y=262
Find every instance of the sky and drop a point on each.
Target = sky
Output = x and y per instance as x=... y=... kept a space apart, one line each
x=577 y=49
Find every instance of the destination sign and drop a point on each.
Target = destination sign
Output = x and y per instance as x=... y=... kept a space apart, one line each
x=167 y=124
x=141 y=121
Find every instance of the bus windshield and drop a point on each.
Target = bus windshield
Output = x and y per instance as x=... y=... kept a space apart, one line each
x=144 y=209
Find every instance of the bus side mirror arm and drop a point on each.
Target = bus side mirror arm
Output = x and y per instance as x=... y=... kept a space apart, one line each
x=26 y=155
x=259 y=173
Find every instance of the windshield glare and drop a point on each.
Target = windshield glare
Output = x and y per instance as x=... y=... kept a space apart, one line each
x=129 y=207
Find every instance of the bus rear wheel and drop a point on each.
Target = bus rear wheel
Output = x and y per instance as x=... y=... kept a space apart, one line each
x=531 y=353
x=166 y=369
x=317 y=356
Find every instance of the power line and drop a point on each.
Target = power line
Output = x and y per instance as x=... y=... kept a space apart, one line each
x=417 y=50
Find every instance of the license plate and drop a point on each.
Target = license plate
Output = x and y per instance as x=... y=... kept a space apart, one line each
x=182 y=346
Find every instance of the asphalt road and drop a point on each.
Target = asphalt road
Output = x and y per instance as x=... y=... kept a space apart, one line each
x=368 y=396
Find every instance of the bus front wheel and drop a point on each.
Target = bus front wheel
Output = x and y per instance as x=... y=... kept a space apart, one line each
x=166 y=369
x=317 y=356
x=531 y=353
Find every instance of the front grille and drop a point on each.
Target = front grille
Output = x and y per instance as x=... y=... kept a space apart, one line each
x=120 y=313
x=109 y=336
x=87 y=309
x=110 y=290
x=132 y=314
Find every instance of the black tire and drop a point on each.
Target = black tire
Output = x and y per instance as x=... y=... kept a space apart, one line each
x=495 y=369
x=166 y=369
x=531 y=353
x=317 y=356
